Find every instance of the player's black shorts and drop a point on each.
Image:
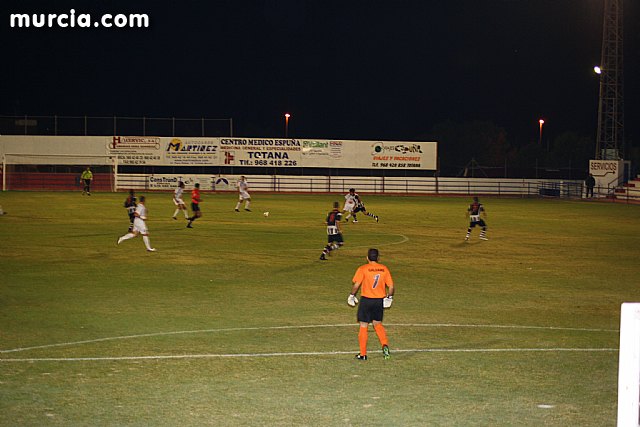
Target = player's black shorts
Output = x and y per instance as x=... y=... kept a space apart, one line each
x=481 y=223
x=370 y=309
x=337 y=238
x=359 y=209
x=195 y=207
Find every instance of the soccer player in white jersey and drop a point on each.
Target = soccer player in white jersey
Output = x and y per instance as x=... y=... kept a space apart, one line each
x=243 y=194
x=349 y=204
x=177 y=200
x=139 y=226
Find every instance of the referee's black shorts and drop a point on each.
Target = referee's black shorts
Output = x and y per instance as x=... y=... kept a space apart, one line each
x=370 y=309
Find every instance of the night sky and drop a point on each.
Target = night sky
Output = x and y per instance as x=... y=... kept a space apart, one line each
x=343 y=69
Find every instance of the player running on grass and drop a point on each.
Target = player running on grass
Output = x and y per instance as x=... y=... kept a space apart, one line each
x=334 y=234
x=360 y=208
x=243 y=194
x=177 y=200
x=139 y=226
x=476 y=211
x=349 y=204
x=376 y=293
x=195 y=204
x=130 y=205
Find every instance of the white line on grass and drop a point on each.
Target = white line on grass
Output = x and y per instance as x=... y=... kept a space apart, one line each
x=405 y=239
x=264 y=328
x=309 y=353
x=458 y=325
x=158 y=334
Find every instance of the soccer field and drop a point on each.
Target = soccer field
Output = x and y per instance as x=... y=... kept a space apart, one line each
x=236 y=322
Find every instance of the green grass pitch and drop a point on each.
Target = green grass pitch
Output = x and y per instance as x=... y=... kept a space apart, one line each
x=237 y=323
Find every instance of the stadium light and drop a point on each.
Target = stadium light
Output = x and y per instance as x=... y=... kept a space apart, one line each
x=541 y=122
x=597 y=70
x=286 y=125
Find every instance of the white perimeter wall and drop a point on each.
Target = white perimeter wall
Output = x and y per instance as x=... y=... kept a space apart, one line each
x=326 y=184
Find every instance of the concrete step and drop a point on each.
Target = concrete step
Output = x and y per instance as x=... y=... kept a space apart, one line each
x=631 y=191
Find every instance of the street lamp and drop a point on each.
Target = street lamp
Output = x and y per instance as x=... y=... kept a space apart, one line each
x=286 y=125
x=540 y=138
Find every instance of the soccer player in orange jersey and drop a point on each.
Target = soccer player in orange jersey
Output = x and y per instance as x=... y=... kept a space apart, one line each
x=195 y=204
x=376 y=293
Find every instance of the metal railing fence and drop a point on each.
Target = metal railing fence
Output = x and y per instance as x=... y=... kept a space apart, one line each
x=115 y=125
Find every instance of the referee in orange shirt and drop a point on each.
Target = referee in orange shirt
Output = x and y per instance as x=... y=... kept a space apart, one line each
x=376 y=293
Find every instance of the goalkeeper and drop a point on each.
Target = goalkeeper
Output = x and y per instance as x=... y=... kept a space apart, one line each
x=86 y=178
x=376 y=293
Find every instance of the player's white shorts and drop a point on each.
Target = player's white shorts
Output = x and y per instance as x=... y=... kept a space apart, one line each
x=244 y=195
x=140 y=226
x=348 y=206
x=178 y=202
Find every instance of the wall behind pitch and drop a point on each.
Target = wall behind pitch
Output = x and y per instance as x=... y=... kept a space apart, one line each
x=242 y=152
x=72 y=146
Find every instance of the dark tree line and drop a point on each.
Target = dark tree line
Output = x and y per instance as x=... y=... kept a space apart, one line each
x=480 y=148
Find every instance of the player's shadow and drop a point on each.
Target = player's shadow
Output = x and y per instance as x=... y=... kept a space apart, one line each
x=463 y=244
x=83 y=236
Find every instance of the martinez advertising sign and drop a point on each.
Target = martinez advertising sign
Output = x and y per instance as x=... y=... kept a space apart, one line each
x=191 y=151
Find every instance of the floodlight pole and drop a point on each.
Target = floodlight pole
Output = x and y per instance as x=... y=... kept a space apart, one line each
x=610 y=137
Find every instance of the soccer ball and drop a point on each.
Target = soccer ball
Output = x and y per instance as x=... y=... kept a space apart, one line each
x=266 y=214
